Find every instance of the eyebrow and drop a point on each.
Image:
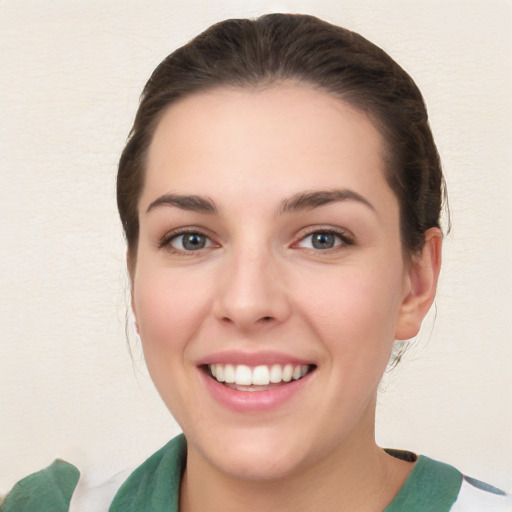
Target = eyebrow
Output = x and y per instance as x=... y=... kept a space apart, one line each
x=299 y=202
x=191 y=203
x=313 y=199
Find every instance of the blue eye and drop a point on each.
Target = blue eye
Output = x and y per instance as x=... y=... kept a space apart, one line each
x=323 y=240
x=190 y=242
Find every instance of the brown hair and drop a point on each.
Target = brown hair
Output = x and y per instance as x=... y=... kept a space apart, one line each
x=290 y=47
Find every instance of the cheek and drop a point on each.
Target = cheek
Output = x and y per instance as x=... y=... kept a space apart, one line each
x=353 y=309
x=169 y=306
x=169 y=309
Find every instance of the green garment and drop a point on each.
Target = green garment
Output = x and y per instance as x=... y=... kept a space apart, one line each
x=154 y=486
x=48 y=490
x=432 y=486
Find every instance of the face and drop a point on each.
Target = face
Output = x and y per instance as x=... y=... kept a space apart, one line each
x=269 y=258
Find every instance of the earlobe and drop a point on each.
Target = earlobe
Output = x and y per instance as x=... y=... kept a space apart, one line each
x=422 y=279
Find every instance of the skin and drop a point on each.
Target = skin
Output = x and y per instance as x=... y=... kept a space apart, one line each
x=260 y=285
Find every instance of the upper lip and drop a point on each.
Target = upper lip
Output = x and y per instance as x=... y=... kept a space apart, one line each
x=251 y=358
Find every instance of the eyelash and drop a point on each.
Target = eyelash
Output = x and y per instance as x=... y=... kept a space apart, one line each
x=344 y=239
x=166 y=241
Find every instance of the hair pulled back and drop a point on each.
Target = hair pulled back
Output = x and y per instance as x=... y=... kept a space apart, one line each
x=274 y=48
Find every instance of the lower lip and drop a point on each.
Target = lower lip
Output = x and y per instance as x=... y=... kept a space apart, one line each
x=254 y=401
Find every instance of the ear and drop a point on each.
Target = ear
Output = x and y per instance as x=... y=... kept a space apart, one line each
x=421 y=286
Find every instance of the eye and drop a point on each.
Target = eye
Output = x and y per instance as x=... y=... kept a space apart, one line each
x=324 y=240
x=187 y=242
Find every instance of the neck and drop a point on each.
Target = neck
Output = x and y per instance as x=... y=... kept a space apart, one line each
x=355 y=476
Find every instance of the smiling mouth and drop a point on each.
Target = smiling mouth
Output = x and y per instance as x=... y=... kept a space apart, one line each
x=258 y=378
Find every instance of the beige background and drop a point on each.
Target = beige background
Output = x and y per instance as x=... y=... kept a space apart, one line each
x=70 y=75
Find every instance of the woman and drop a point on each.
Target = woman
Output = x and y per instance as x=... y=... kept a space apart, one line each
x=280 y=194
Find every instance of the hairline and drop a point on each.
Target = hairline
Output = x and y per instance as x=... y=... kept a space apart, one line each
x=258 y=85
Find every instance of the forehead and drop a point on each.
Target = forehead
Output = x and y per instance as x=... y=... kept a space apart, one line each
x=262 y=138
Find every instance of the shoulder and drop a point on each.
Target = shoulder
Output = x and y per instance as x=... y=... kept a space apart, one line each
x=60 y=487
x=154 y=486
x=48 y=490
x=434 y=486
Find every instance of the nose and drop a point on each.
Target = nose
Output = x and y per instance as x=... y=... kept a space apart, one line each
x=252 y=293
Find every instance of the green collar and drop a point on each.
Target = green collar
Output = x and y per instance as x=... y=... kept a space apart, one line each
x=432 y=486
x=154 y=487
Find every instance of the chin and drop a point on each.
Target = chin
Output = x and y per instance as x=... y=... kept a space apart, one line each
x=256 y=456
x=258 y=467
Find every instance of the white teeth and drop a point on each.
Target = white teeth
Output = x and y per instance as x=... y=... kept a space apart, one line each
x=276 y=373
x=243 y=375
x=263 y=375
x=288 y=373
x=297 y=372
x=229 y=373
